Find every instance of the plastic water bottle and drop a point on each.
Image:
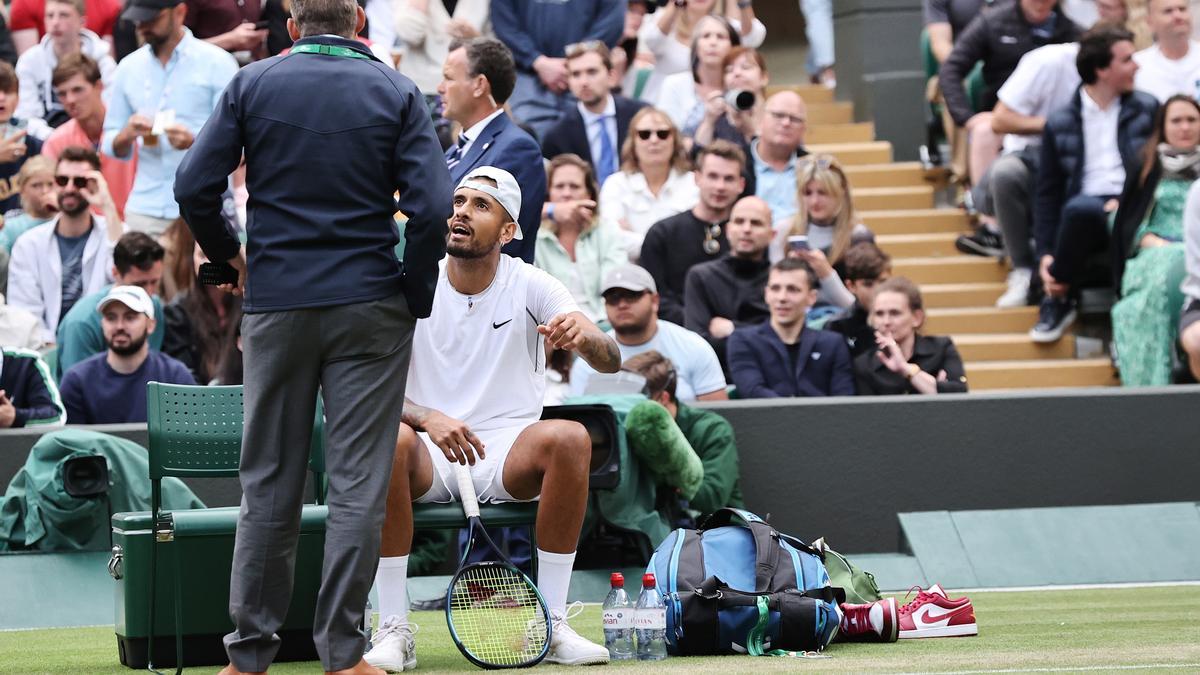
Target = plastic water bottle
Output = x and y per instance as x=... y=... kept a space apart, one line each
x=650 y=622
x=618 y=621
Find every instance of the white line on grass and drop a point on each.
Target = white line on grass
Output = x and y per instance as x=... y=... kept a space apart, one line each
x=1079 y=587
x=1075 y=669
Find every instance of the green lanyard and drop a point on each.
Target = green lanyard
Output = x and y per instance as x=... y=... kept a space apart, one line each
x=329 y=50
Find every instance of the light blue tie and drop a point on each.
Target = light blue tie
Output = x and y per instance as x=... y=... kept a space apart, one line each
x=607 y=164
x=456 y=156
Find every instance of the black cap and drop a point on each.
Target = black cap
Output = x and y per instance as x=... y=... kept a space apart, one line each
x=141 y=11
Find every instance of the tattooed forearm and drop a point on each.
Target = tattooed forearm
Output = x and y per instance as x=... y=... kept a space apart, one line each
x=414 y=415
x=601 y=352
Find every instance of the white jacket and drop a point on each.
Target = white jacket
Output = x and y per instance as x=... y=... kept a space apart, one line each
x=35 y=69
x=35 y=272
x=426 y=41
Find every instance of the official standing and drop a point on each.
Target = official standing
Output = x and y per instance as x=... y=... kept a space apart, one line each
x=329 y=134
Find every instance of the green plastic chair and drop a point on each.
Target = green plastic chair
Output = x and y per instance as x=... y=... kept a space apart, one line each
x=196 y=432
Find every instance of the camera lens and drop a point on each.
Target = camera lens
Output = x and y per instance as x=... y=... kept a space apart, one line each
x=740 y=99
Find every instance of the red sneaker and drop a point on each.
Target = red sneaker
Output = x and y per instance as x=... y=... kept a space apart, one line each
x=870 y=622
x=933 y=614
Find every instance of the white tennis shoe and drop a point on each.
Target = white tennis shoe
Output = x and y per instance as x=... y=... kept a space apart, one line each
x=393 y=647
x=569 y=648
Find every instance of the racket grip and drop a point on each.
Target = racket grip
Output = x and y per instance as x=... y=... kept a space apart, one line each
x=466 y=490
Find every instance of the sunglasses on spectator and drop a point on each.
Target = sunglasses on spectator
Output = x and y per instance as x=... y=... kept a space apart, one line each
x=617 y=295
x=822 y=162
x=663 y=134
x=712 y=239
x=79 y=181
x=781 y=116
x=580 y=48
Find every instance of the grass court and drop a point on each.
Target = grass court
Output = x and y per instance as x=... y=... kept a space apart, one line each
x=1150 y=629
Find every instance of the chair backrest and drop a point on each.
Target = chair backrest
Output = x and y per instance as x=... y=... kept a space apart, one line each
x=194 y=430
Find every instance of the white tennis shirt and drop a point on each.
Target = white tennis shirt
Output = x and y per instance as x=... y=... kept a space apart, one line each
x=479 y=358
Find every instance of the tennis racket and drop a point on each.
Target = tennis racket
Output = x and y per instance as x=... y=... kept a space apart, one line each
x=496 y=615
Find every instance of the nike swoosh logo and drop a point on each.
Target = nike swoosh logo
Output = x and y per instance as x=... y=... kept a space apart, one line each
x=929 y=616
x=497 y=325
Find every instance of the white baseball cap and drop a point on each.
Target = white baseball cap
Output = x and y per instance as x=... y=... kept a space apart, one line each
x=133 y=297
x=506 y=191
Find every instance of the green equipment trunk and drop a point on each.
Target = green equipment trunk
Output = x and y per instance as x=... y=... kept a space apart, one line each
x=195 y=555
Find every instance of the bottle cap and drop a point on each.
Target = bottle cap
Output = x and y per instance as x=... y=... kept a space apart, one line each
x=617 y=579
x=648 y=580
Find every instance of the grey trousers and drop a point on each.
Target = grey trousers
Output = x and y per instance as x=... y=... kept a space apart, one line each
x=359 y=355
x=1012 y=191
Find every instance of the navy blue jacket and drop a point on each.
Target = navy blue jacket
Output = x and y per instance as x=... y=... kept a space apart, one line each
x=533 y=28
x=758 y=362
x=328 y=141
x=570 y=134
x=505 y=145
x=28 y=384
x=1060 y=175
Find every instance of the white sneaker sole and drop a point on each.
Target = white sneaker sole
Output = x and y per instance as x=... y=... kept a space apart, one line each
x=579 y=661
x=391 y=666
x=945 y=631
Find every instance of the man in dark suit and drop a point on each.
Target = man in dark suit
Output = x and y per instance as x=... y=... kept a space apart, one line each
x=477 y=79
x=595 y=128
x=327 y=305
x=783 y=357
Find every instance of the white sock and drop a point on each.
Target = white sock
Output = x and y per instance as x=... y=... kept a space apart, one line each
x=554 y=578
x=391 y=580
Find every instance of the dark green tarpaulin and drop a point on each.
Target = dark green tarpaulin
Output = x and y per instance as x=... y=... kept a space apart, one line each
x=36 y=513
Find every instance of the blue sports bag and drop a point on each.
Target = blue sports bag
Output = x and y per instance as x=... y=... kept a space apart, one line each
x=737 y=586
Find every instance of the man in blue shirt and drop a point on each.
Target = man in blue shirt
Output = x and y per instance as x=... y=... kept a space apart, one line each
x=631 y=303
x=161 y=95
x=110 y=388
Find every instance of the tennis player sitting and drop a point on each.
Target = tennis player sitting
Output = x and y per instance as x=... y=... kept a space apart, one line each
x=474 y=396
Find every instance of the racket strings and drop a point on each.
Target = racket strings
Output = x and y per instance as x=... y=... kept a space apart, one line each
x=496 y=615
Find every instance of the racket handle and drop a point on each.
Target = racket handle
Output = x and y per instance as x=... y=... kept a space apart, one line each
x=466 y=490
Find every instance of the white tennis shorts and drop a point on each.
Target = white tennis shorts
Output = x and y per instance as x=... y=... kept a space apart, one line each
x=487 y=474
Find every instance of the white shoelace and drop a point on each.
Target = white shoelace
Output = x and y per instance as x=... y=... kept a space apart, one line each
x=560 y=620
x=394 y=626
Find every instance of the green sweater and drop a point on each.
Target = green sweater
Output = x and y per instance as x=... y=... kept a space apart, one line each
x=711 y=436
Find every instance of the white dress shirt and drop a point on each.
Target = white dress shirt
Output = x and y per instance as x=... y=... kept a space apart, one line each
x=1103 y=170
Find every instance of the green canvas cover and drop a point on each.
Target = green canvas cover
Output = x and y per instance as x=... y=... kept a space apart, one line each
x=36 y=513
x=630 y=505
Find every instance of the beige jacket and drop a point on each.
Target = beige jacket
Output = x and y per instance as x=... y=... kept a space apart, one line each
x=426 y=41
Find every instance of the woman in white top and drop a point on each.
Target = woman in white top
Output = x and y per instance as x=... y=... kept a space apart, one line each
x=655 y=180
x=426 y=29
x=826 y=217
x=682 y=95
x=668 y=33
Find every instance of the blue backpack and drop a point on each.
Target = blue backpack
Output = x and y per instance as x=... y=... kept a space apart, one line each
x=737 y=586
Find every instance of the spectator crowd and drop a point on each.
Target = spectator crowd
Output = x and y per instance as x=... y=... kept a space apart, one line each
x=1073 y=133
x=663 y=183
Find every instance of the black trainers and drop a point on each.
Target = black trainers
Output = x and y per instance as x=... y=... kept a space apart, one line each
x=1054 y=315
x=984 y=242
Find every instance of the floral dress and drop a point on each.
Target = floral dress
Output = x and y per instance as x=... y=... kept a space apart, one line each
x=1146 y=318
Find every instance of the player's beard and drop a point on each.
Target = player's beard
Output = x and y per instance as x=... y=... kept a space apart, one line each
x=472 y=249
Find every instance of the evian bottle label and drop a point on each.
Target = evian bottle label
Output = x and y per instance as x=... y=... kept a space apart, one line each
x=650 y=618
x=618 y=618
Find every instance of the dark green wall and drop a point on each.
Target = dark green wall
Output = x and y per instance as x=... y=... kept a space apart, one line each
x=844 y=467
